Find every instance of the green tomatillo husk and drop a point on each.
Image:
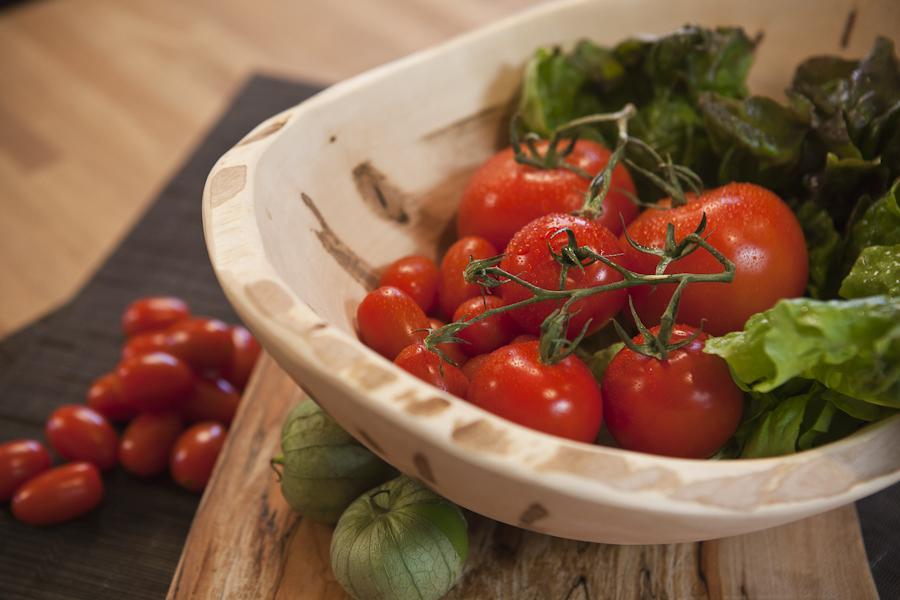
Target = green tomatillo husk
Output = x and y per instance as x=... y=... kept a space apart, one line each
x=399 y=541
x=324 y=468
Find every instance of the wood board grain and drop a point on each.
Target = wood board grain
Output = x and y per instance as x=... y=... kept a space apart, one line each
x=246 y=543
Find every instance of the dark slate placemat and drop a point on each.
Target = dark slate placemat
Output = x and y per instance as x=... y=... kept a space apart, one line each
x=130 y=546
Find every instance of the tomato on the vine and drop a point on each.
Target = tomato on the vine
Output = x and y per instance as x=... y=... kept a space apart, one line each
x=389 y=321
x=748 y=224
x=20 y=460
x=59 y=494
x=686 y=405
x=488 y=334
x=528 y=257
x=153 y=314
x=155 y=381
x=503 y=195
x=105 y=396
x=561 y=399
x=194 y=455
x=427 y=366
x=473 y=364
x=452 y=285
x=417 y=276
x=451 y=350
x=79 y=433
x=148 y=441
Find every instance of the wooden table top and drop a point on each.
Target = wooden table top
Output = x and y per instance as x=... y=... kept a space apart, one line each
x=100 y=100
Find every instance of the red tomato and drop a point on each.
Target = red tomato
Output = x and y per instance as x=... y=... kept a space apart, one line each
x=20 y=460
x=685 y=406
x=453 y=351
x=415 y=275
x=389 y=321
x=417 y=360
x=58 y=495
x=476 y=362
x=148 y=441
x=748 y=224
x=204 y=344
x=243 y=359
x=194 y=455
x=561 y=399
x=452 y=286
x=486 y=335
x=145 y=343
x=528 y=257
x=156 y=381
x=105 y=396
x=79 y=433
x=153 y=314
x=503 y=196
x=212 y=400
x=525 y=337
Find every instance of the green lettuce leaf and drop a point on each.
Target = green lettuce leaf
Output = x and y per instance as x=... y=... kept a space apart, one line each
x=852 y=347
x=551 y=90
x=823 y=246
x=879 y=225
x=875 y=273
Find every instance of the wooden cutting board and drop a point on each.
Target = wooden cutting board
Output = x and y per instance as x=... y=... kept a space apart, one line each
x=246 y=543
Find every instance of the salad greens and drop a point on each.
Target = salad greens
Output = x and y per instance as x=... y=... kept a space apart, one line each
x=815 y=368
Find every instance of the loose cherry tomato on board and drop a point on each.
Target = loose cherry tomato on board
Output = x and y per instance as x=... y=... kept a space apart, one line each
x=148 y=441
x=58 y=495
x=503 y=195
x=415 y=275
x=453 y=351
x=246 y=352
x=105 y=396
x=686 y=406
x=153 y=314
x=213 y=399
x=145 y=343
x=748 y=224
x=194 y=455
x=528 y=257
x=204 y=344
x=79 y=433
x=389 y=321
x=20 y=460
x=427 y=366
x=488 y=334
x=155 y=381
x=452 y=286
x=561 y=399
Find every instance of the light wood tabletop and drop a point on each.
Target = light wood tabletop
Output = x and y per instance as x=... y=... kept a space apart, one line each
x=100 y=100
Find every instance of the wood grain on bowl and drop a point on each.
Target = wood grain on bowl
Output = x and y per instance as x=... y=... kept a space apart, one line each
x=371 y=169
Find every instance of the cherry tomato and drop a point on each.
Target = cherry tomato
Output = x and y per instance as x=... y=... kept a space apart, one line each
x=473 y=364
x=155 y=381
x=561 y=399
x=415 y=275
x=204 y=344
x=427 y=366
x=525 y=337
x=389 y=321
x=748 y=224
x=453 y=351
x=58 y=495
x=153 y=314
x=145 y=343
x=20 y=460
x=246 y=352
x=105 y=396
x=528 y=257
x=452 y=286
x=488 y=334
x=686 y=406
x=194 y=455
x=213 y=399
x=503 y=195
x=148 y=441
x=79 y=433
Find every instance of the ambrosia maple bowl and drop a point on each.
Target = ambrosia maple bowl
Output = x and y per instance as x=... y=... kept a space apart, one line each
x=300 y=215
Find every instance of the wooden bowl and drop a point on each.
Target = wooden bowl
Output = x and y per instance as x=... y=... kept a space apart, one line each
x=300 y=215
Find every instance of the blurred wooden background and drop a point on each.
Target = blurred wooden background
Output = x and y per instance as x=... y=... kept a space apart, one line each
x=100 y=100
